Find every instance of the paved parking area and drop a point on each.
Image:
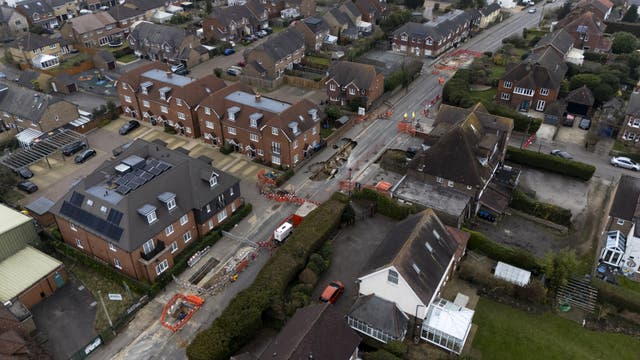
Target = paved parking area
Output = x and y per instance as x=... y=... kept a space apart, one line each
x=293 y=94
x=66 y=318
x=390 y=60
x=572 y=135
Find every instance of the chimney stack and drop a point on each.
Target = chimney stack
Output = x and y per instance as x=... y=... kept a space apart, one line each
x=169 y=74
x=258 y=97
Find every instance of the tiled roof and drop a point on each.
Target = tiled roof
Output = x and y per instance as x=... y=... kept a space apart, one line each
x=545 y=69
x=633 y=106
x=24 y=103
x=626 y=198
x=345 y=72
x=582 y=96
x=91 y=22
x=282 y=44
x=30 y=41
x=560 y=40
x=380 y=314
x=157 y=34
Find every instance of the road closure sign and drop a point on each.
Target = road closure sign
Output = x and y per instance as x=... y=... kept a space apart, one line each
x=117 y=297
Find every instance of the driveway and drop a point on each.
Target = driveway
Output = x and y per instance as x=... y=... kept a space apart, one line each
x=572 y=135
x=352 y=248
x=66 y=318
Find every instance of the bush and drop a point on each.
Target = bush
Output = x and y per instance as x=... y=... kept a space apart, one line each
x=551 y=163
x=385 y=205
x=550 y=212
x=217 y=72
x=226 y=149
x=284 y=177
x=308 y=276
x=617 y=296
x=380 y=355
x=242 y=318
x=521 y=122
x=122 y=52
x=514 y=256
x=169 y=129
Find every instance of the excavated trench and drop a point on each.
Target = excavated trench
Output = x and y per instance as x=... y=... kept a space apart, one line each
x=327 y=169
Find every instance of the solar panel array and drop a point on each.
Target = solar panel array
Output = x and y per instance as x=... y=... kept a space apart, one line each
x=110 y=229
x=138 y=177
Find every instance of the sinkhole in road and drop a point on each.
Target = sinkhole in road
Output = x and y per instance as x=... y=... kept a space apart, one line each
x=323 y=170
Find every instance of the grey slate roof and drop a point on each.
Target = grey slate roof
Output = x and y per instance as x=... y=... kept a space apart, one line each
x=232 y=13
x=283 y=44
x=316 y=24
x=345 y=72
x=105 y=55
x=121 y=224
x=25 y=103
x=29 y=41
x=30 y=7
x=633 y=106
x=436 y=29
x=120 y=12
x=582 y=96
x=353 y=9
x=316 y=330
x=405 y=245
x=560 y=40
x=380 y=314
x=26 y=78
x=158 y=34
x=488 y=10
x=340 y=17
x=544 y=69
x=626 y=198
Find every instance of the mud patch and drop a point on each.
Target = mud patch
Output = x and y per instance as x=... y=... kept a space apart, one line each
x=328 y=169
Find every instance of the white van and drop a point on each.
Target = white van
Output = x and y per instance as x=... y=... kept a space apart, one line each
x=283 y=231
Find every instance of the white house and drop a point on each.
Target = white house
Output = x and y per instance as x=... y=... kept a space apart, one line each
x=507 y=4
x=409 y=269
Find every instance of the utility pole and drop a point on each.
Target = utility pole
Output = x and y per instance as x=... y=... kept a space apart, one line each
x=104 y=307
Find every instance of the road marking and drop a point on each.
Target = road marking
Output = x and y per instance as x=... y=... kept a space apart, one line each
x=237 y=166
x=250 y=169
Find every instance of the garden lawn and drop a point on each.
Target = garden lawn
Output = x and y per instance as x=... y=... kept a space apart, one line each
x=628 y=284
x=483 y=96
x=127 y=58
x=318 y=60
x=507 y=333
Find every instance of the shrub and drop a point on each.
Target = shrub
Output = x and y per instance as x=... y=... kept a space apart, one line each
x=217 y=72
x=516 y=257
x=308 y=276
x=380 y=355
x=226 y=149
x=284 y=177
x=550 y=212
x=521 y=122
x=317 y=263
x=617 y=296
x=550 y=163
x=385 y=205
x=242 y=318
x=169 y=129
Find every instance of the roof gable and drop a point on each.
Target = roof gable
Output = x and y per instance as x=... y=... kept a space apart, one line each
x=345 y=72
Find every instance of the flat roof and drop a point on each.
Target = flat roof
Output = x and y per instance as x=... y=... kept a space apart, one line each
x=264 y=103
x=174 y=79
x=435 y=197
x=41 y=205
x=20 y=271
x=11 y=218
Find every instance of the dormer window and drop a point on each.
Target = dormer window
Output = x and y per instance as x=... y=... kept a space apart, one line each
x=213 y=181
x=232 y=112
x=169 y=199
x=164 y=92
x=313 y=113
x=178 y=102
x=145 y=86
x=148 y=211
x=207 y=111
x=274 y=131
x=254 y=118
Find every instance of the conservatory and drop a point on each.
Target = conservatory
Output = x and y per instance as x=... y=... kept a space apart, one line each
x=614 y=248
x=447 y=325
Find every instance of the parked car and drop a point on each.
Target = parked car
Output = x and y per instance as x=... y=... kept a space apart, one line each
x=84 y=156
x=483 y=214
x=531 y=10
x=625 y=162
x=262 y=33
x=247 y=39
x=562 y=154
x=411 y=153
x=183 y=71
x=232 y=43
x=268 y=30
x=584 y=124
x=228 y=51
x=128 y=127
x=25 y=173
x=73 y=148
x=332 y=292
x=120 y=149
x=568 y=121
x=241 y=64
x=234 y=70
x=115 y=43
x=177 y=67
x=3 y=75
x=27 y=186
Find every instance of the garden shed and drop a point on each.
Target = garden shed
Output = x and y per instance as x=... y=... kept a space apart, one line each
x=512 y=274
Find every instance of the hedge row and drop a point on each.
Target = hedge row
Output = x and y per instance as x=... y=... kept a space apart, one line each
x=550 y=212
x=521 y=122
x=242 y=319
x=513 y=256
x=385 y=205
x=617 y=296
x=551 y=163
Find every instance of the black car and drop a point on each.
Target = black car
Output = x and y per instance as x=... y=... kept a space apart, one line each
x=128 y=127
x=27 y=186
x=73 y=148
x=84 y=156
x=120 y=149
x=183 y=71
x=268 y=30
x=25 y=173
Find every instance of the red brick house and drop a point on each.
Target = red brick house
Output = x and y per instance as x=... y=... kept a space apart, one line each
x=587 y=30
x=152 y=93
x=138 y=211
x=371 y=10
x=435 y=37
x=534 y=83
x=349 y=81
x=267 y=129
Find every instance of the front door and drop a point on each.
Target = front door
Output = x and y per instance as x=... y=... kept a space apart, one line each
x=59 y=280
x=525 y=105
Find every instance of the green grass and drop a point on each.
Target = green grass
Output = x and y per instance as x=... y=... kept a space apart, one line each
x=127 y=58
x=484 y=96
x=95 y=282
x=13 y=197
x=497 y=72
x=507 y=333
x=324 y=133
x=318 y=60
x=628 y=284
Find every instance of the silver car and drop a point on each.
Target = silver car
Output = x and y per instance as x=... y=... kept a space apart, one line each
x=562 y=154
x=625 y=162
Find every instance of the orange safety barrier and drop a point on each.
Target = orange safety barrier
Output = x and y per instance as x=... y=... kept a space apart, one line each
x=196 y=302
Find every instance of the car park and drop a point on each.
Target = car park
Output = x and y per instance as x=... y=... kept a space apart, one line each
x=228 y=51
x=625 y=162
x=562 y=154
x=25 y=173
x=332 y=292
x=73 y=148
x=27 y=186
x=128 y=127
x=584 y=124
x=84 y=156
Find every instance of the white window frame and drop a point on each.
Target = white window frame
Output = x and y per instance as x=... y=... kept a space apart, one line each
x=233 y=207
x=620 y=221
x=221 y=215
x=540 y=105
x=207 y=111
x=505 y=96
x=168 y=230
x=171 y=204
x=89 y=202
x=117 y=264
x=507 y=84
x=127 y=98
x=79 y=243
x=186 y=237
x=148 y=246
x=210 y=223
x=393 y=276
x=208 y=124
x=254 y=137
x=332 y=87
x=450 y=183
x=213 y=181
x=544 y=91
x=231 y=130
x=162 y=267
x=352 y=91
x=174 y=247
x=112 y=247
x=179 y=102
x=73 y=227
x=274 y=131
x=146 y=103
x=295 y=144
x=164 y=109
x=151 y=217
x=208 y=208
x=184 y=219
x=275 y=159
x=181 y=116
